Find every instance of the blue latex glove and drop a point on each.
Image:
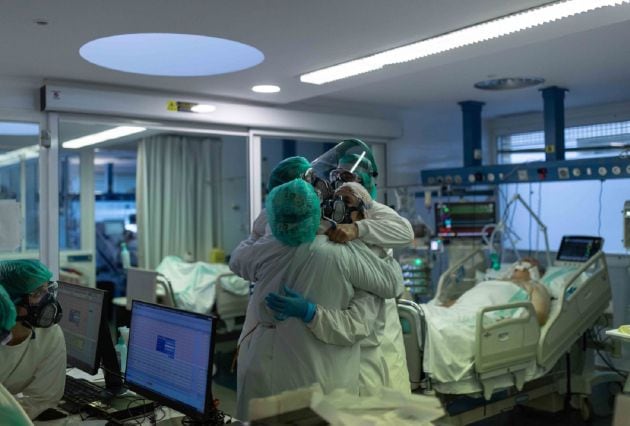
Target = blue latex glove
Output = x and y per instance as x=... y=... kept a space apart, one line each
x=291 y=305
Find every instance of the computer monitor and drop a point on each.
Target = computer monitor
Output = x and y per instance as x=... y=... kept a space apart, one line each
x=114 y=228
x=141 y=285
x=88 y=340
x=169 y=358
x=576 y=248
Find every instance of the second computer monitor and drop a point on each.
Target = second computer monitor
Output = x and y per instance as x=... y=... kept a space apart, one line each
x=81 y=322
x=169 y=358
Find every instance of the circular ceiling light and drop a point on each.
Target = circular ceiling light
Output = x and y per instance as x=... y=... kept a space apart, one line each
x=509 y=83
x=170 y=55
x=266 y=88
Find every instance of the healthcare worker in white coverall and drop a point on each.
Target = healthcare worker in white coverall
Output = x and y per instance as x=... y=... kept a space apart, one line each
x=33 y=362
x=277 y=353
x=383 y=229
x=383 y=359
x=11 y=413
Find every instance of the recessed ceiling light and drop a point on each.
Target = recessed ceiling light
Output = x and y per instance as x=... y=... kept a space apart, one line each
x=473 y=34
x=115 y=133
x=266 y=88
x=509 y=83
x=170 y=55
x=203 y=108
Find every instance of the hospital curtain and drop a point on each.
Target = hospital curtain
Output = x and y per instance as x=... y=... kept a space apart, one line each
x=176 y=200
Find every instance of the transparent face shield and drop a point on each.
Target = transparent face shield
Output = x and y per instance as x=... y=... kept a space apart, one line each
x=342 y=161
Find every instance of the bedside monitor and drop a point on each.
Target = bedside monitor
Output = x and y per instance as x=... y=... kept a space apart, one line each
x=575 y=248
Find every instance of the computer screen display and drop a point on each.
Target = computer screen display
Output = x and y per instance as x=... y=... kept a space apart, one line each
x=579 y=248
x=81 y=320
x=169 y=358
x=114 y=228
x=463 y=219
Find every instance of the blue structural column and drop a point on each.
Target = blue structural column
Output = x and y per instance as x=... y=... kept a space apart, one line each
x=471 y=121
x=289 y=148
x=553 y=98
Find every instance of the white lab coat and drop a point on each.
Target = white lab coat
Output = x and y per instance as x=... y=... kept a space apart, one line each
x=275 y=356
x=11 y=413
x=37 y=369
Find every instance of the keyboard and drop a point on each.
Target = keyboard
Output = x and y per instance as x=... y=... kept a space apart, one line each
x=81 y=392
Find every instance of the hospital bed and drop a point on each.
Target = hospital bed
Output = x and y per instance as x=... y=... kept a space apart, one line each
x=508 y=351
x=207 y=288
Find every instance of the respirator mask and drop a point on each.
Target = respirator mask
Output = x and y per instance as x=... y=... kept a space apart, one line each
x=322 y=187
x=336 y=210
x=42 y=308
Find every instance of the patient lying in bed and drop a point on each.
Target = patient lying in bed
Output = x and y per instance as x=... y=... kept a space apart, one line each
x=520 y=284
x=448 y=353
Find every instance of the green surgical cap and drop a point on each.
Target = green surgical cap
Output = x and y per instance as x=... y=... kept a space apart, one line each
x=287 y=170
x=293 y=212
x=20 y=277
x=7 y=311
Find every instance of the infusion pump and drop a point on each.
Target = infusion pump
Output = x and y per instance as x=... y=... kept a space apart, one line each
x=626 y=224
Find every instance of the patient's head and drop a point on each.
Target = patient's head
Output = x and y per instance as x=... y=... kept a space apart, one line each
x=526 y=269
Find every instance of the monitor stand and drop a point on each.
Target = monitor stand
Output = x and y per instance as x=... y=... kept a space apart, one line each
x=111 y=366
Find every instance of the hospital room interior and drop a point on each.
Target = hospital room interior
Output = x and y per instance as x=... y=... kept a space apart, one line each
x=147 y=153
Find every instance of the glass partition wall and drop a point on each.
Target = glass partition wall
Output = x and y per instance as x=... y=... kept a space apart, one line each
x=134 y=200
x=19 y=189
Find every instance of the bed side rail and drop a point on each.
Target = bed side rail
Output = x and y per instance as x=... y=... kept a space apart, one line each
x=505 y=346
x=411 y=320
x=448 y=277
x=586 y=296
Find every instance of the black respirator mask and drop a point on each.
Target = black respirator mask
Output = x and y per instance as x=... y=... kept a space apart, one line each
x=336 y=210
x=42 y=308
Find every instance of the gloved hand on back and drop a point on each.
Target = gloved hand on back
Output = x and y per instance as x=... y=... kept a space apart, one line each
x=291 y=305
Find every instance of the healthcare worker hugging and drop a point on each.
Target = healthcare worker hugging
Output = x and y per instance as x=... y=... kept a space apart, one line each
x=33 y=362
x=279 y=353
x=11 y=413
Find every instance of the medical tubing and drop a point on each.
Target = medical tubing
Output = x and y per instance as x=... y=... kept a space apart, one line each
x=310 y=312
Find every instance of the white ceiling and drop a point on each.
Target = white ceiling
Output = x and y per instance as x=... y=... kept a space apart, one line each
x=588 y=54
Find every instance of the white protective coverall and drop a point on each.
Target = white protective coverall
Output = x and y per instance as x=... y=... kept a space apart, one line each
x=383 y=358
x=36 y=368
x=275 y=356
x=11 y=413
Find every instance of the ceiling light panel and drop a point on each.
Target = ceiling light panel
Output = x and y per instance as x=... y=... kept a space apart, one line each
x=115 y=133
x=466 y=36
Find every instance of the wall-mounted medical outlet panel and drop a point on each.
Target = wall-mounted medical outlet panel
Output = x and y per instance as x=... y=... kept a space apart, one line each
x=541 y=171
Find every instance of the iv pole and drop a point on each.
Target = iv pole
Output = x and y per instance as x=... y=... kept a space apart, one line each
x=541 y=225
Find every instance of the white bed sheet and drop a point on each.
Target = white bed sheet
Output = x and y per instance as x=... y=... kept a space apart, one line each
x=194 y=284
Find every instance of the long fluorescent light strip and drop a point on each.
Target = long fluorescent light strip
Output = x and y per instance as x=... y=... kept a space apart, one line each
x=15 y=156
x=115 y=133
x=495 y=28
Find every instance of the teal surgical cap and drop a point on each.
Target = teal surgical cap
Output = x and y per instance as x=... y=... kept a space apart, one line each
x=293 y=212
x=7 y=311
x=287 y=170
x=365 y=170
x=20 y=277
